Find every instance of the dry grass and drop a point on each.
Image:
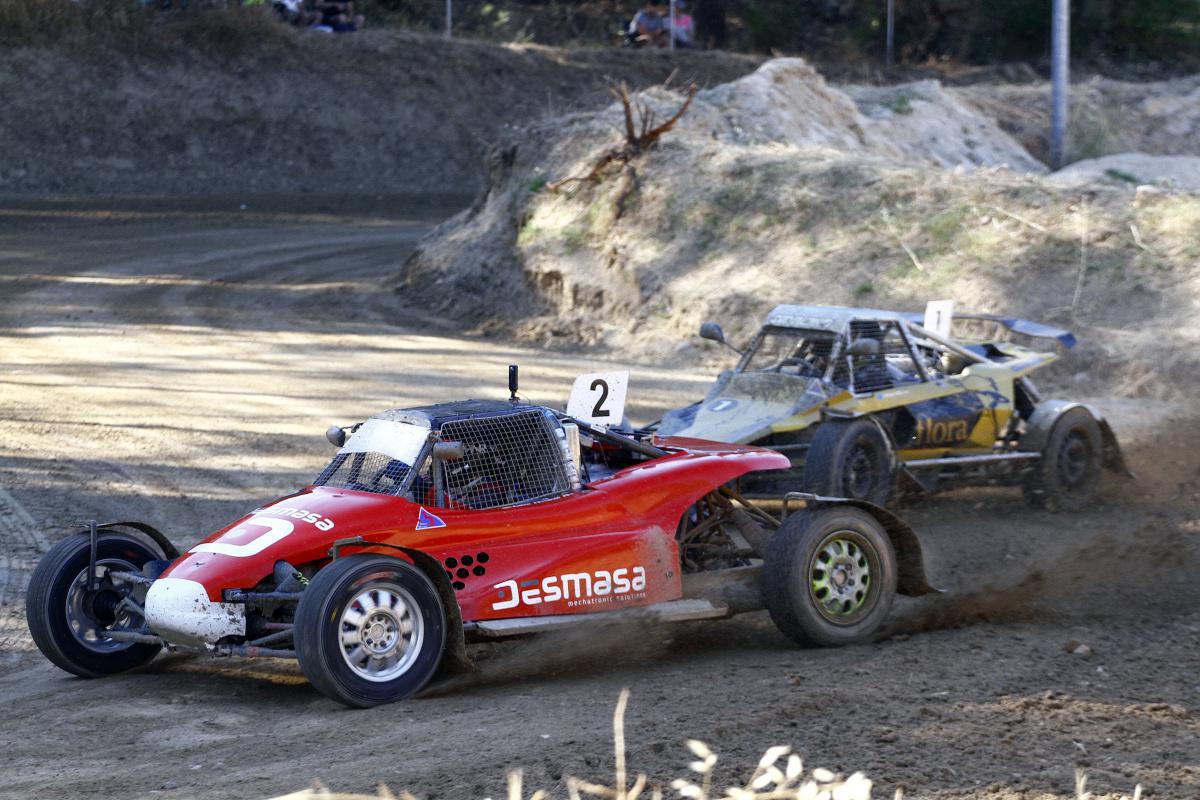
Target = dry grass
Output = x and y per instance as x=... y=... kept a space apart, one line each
x=132 y=27
x=33 y=23
x=780 y=775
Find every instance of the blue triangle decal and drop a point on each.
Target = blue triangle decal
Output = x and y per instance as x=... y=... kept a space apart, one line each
x=426 y=520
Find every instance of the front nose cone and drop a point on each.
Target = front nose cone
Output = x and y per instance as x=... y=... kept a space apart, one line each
x=179 y=611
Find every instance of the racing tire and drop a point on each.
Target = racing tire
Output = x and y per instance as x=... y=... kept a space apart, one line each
x=67 y=620
x=369 y=629
x=850 y=458
x=829 y=576
x=1067 y=476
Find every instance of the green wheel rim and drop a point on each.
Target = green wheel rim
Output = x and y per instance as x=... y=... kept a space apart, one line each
x=841 y=577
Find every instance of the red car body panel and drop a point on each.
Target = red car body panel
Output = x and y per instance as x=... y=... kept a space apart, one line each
x=609 y=545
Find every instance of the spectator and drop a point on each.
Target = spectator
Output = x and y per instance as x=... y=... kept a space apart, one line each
x=648 y=26
x=295 y=13
x=685 y=26
x=338 y=16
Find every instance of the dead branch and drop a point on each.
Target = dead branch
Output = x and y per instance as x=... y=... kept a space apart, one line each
x=624 y=98
x=629 y=185
x=639 y=136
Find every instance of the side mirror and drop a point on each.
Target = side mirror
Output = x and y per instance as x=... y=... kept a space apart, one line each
x=864 y=347
x=336 y=436
x=448 y=451
x=712 y=331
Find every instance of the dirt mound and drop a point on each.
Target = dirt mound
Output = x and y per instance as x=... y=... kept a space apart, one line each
x=1107 y=116
x=786 y=101
x=751 y=201
x=925 y=121
x=379 y=112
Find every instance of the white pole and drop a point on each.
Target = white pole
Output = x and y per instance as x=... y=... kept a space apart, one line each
x=672 y=25
x=449 y=18
x=1060 y=66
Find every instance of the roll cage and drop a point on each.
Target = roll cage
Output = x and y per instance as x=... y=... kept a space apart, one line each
x=899 y=357
x=503 y=456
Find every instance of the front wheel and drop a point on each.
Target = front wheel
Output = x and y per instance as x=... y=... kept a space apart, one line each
x=369 y=630
x=850 y=458
x=829 y=576
x=69 y=616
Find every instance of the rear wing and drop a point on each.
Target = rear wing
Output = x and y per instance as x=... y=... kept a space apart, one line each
x=1022 y=326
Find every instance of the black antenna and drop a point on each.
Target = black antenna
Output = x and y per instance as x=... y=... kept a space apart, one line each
x=512 y=382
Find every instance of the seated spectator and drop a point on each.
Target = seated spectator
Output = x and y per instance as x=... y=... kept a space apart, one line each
x=295 y=13
x=685 y=26
x=648 y=26
x=338 y=16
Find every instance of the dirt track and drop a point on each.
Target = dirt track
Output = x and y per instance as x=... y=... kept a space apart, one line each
x=180 y=365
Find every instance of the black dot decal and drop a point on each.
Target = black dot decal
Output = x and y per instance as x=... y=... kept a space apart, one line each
x=451 y=562
x=479 y=570
x=482 y=558
x=467 y=561
x=449 y=574
x=458 y=586
x=463 y=572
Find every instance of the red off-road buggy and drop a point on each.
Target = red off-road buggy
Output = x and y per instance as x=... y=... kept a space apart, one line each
x=436 y=526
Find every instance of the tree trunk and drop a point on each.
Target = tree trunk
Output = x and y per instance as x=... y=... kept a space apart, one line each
x=710 y=22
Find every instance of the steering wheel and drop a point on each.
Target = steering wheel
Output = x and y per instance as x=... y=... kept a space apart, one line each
x=803 y=367
x=388 y=472
x=459 y=494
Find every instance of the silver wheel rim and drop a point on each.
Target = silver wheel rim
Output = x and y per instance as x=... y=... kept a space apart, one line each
x=381 y=631
x=81 y=607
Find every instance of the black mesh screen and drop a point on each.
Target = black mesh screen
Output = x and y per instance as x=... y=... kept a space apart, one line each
x=792 y=351
x=878 y=371
x=509 y=459
x=364 y=472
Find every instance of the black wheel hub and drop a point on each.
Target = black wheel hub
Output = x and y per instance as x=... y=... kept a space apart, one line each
x=1073 y=459
x=103 y=606
x=859 y=474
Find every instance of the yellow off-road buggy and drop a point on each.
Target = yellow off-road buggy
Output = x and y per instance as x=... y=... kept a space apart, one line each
x=865 y=402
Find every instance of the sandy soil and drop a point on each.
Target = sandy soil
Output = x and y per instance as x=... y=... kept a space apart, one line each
x=180 y=365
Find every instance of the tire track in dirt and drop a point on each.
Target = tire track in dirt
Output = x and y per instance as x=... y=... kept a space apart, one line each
x=21 y=544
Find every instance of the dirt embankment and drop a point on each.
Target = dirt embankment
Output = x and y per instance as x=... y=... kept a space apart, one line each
x=782 y=188
x=378 y=112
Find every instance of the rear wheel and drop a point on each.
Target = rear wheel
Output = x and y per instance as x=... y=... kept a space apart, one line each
x=1068 y=474
x=850 y=458
x=829 y=576
x=369 y=630
x=68 y=618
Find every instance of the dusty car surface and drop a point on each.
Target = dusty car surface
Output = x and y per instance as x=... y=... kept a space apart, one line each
x=864 y=401
x=479 y=519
